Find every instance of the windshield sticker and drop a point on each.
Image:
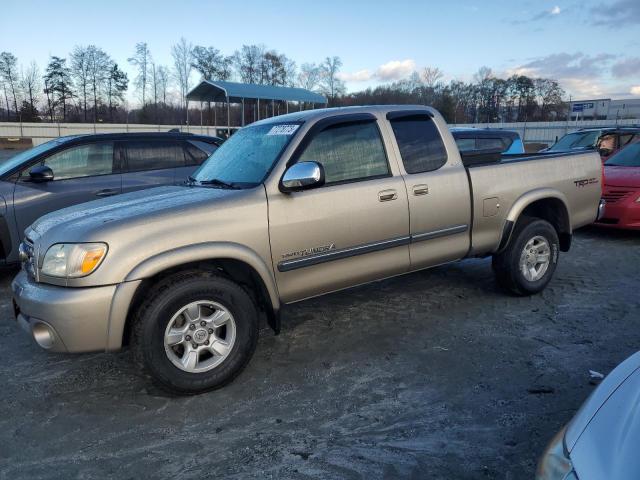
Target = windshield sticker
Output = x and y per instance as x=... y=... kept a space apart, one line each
x=283 y=130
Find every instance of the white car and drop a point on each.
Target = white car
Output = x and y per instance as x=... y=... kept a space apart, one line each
x=602 y=441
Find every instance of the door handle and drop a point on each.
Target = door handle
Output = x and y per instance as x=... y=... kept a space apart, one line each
x=107 y=192
x=420 y=190
x=386 y=195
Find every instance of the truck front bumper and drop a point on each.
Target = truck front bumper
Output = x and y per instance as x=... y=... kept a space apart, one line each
x=62 y=319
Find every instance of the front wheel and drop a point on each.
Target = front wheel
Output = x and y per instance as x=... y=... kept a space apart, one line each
x=527 y=264
x=196 y=332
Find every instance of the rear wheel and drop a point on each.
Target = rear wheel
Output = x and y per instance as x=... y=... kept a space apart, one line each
x=527 y=264
x=196 y=332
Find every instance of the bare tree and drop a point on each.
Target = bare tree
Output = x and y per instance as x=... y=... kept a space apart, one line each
x=309 y=76
x=163 y=82
x=142 y=61
x=99 y=65
x=30 y=85
x=182 y=53
x=431 y=76
x=330 y=85
x=9 y=75
x=249 y=63
x=80 y=74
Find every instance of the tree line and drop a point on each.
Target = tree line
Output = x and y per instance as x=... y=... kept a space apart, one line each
x=89 y=86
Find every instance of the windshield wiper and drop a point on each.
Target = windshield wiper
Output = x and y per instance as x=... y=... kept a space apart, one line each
x=213 y=181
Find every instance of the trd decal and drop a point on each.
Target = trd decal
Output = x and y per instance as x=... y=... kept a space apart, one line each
x=586 y=181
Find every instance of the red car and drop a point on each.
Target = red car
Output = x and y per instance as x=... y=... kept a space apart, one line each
x=621 y=189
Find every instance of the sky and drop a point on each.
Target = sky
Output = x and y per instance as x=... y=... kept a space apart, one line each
x=591 y=46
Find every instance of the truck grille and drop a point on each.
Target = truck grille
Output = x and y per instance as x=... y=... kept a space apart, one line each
x=615 y=195
x=26 y=252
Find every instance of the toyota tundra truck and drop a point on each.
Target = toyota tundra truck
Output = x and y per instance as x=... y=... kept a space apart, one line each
x=289 y=208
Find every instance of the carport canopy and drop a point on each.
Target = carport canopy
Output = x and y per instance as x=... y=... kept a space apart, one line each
x=233 y=92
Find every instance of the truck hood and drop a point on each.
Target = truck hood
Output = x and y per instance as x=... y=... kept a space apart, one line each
x=74 y=222
x=622 y=176
x=608 y=445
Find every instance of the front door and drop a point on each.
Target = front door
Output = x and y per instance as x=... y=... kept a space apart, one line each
x=80 y=174
x=352 y=230
x=438 y=191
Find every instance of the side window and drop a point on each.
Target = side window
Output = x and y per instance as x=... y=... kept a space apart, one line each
x=197 y=152
x=420 y=145
x=82 y=161
x=351 y=151
x=154 y=155
x=625 y=138
x=493 y=143
x=466 y=144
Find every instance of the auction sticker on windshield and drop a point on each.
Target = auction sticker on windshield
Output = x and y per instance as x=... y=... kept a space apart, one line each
x=283 y=130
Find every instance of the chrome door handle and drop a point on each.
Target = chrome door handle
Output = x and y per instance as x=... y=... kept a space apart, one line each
x=107 y=192
x=420 y=190
x=386 y=195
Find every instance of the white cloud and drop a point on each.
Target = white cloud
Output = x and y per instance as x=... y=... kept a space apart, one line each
x=635 y=90
x=359 y=76
x=555 y=10
x=390 y=71
x=396 y=69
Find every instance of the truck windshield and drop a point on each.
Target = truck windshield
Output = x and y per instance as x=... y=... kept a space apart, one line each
x=627 y=157
x=246 y=158
x=576 y=140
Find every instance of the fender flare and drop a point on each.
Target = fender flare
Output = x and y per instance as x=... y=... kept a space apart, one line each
x=175 y=258
x=523 y=202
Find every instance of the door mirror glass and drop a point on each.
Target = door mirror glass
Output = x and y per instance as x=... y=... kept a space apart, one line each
x=40 y=174
x=302 y=176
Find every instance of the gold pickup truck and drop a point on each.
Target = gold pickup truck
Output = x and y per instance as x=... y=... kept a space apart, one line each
x=290 y=208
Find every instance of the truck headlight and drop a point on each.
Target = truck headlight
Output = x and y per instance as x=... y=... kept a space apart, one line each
x=555 y=463
x=72 y=260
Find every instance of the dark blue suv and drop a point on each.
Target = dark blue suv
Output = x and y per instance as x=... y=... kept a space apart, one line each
x=77 y=169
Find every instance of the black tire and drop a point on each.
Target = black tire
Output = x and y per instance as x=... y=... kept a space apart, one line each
x=506 y=264
x=168 y=297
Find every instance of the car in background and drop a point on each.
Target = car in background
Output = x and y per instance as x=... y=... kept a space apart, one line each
x=606 y=140
x=472 y=139
x=76 y=169
x=601 y=441
x=621 y=189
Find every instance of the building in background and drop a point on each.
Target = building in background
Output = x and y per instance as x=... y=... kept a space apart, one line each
x=605 y=109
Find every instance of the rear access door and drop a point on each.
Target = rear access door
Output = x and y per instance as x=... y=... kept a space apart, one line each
x=437 y=187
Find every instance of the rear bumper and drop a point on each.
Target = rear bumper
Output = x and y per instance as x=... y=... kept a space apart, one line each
x=63 y=319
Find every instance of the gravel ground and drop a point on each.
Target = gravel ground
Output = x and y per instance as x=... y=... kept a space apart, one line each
x=436 y=374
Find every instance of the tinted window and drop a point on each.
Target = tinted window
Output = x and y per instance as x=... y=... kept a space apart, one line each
x=627 y=157
x=420 y=144
x=154 y=155
x=197 y=152
x=466 y=144
x=494 y=143
x=82 y=161
x=350 y=151
x=576 y=140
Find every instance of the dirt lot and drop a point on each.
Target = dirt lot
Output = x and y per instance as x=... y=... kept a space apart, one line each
x=432 y=375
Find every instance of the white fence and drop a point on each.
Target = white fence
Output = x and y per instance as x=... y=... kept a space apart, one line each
x=548 y=132
x=42 y=132
x=531 y=132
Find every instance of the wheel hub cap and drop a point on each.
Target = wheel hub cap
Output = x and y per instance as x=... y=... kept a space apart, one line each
x=535 y=258
x=200 y=336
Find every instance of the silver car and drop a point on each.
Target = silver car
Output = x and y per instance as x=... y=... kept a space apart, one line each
x=601 y=442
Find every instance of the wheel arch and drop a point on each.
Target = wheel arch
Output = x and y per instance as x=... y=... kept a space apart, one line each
x=234 y=261
x=547 y=204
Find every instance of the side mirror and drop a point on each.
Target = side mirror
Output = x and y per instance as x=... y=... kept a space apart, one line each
x=41 y=174
x=302 y=176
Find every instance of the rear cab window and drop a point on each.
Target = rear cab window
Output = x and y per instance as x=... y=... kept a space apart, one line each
x=419 y=142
